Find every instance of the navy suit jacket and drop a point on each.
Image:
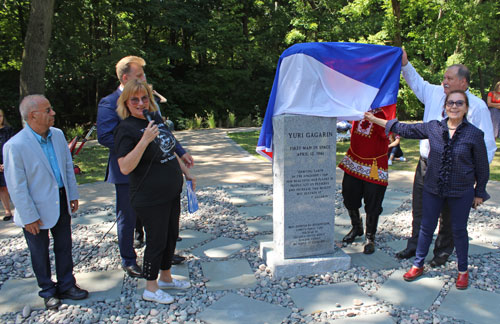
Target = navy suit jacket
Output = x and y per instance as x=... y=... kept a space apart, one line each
x=107 y=120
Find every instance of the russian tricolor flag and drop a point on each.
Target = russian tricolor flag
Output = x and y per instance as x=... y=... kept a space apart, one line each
x=341 y=80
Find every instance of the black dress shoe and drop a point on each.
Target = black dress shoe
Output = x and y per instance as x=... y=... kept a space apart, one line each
x=138 y=244
x=74 y=293
x=438 y=261
x=52 y=303
x=177 y=259
x=353 y=233
x=405 y=254
x=133 y=271
x=369 y=247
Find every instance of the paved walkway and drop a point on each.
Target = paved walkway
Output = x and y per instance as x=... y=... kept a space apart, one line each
x=219 y=162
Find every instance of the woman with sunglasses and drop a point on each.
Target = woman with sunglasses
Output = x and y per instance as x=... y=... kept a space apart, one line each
x=457 y=174
x=146 y=151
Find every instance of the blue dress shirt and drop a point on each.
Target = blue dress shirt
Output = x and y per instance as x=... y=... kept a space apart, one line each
x=50 y=154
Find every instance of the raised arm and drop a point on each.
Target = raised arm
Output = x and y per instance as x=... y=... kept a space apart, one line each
x=422 y=89
x=130 y=161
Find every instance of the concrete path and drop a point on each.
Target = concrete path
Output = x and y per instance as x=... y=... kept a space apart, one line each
x=219 y=162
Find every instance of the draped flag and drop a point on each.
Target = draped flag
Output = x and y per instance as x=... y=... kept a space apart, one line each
x=341 y=80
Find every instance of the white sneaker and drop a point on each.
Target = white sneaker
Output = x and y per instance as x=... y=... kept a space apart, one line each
x=389 y=162
x=402 y=159
x=159 y=296
x=175 y=284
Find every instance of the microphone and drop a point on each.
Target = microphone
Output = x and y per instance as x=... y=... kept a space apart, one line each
x=147 y=115
x=152 y=116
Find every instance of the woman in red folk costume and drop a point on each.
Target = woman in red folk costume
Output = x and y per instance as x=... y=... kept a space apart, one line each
x=366 y=176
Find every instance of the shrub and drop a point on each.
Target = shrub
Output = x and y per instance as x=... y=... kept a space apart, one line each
x=78 y=130
x=189 y=124
x=231 y=119
x=210 y=119
x=246 y=122
x=198 y=121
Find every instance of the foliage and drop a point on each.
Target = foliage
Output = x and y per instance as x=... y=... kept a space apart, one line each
x=231 y=119
x=223 y=53
x=72 y=132
x=198 y=121
x=210 y=119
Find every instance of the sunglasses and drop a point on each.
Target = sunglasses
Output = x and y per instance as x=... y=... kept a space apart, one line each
x=136 y=101
x=458 y=103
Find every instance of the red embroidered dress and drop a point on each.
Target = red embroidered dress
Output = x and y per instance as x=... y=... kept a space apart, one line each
x=366 y=158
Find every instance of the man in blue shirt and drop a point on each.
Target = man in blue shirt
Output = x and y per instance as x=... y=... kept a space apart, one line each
x=41 y=180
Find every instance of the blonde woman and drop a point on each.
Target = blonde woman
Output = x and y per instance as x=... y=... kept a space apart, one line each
x=146 y=152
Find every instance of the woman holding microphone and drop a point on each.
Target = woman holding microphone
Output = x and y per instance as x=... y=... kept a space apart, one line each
x=145 y=151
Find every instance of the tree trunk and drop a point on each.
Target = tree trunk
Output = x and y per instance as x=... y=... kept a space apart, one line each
x=481 y=83
x=36 y=46
x=396 y=10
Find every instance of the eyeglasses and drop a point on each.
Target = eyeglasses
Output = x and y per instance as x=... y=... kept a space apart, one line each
x=458 y=103
x=46 y=110
x=136 y=101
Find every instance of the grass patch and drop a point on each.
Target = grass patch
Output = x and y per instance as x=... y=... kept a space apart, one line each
x=248 y=141
x=495 y=164
x=92 y=160
x=410 y=147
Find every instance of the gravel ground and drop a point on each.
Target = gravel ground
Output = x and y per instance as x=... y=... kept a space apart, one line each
x=217 y=216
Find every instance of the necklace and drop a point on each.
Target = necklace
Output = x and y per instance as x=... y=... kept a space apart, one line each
x=452 y=128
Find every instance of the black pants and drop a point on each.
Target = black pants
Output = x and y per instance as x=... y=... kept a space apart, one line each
x=354 y=189
x=39 y=249
x=444 y=241
x=161 y=224
x=397 y=151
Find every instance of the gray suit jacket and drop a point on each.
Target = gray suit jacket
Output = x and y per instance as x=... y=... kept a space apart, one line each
x=31 y=182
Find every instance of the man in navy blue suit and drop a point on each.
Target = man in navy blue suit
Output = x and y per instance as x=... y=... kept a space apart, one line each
x=128 y=68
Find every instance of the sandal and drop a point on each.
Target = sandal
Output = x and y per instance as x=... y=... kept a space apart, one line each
x=7 y=218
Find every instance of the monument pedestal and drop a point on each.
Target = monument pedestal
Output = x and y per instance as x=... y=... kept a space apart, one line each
x=304 y=149
x=287 y=268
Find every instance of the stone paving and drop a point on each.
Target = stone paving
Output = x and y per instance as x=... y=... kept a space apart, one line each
x=230 y=275
x=339 y=296
x=236 y=309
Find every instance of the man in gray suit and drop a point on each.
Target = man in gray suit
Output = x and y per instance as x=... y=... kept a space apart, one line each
x=41 y=180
